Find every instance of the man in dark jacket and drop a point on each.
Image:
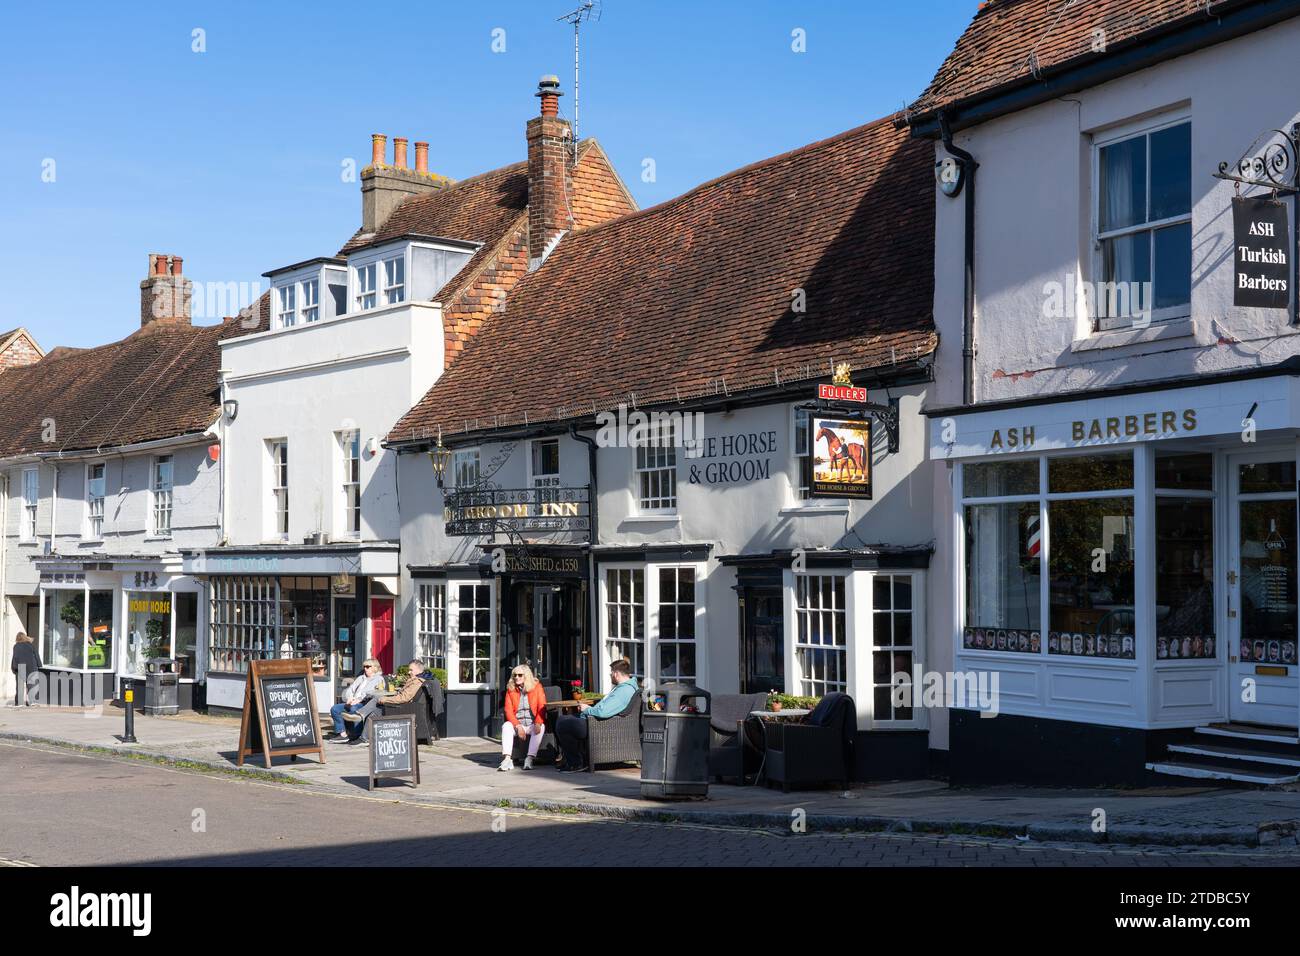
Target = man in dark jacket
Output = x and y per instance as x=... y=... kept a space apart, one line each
x=26 y=666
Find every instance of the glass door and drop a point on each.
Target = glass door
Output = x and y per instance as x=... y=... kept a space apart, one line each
x=1263 y=684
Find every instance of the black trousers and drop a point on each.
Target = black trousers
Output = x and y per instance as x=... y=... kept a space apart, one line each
x=570 y=733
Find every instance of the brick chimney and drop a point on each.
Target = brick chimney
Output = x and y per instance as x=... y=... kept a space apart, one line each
x=165 y=294
x=550 y=176
x=386 y=186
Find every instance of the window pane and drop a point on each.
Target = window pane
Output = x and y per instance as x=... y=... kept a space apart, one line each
x=1184 y=472
x=1123 y=184
x=1003 y=571
x=1090 y=473
x=995 y=478
x=1184 y=559
x=1266 y=476
x=1091 y=612
x=1268 y=582
x=1171 y=172
x=1173 y=257
x=1125 y=260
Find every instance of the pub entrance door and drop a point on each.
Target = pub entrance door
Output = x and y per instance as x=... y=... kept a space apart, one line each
x=1263 y=686
x=762 y=640
x=546 y=627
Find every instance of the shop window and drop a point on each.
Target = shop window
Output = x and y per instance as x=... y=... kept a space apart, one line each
x=893 y=644
x=474 y=632
x=242 y=622
x=1184 y=559
x=676 y=637
x=31 y=498
x=1266 y=476
x=656 y=469
x=625 y=617
x=65 y=629
x=1070 y=474
x=1185 y=472
x=1003 y=574
x=431 y=625
x=1144 y=227
x=148 y=629
x=350 y=466
x=95 y=501
x=1000 y=479
x=304 y=621
x=1268 y=581
x=161 y=493
x=1091 y=610
x=185 y=606
x=821 y=634
x=545 y=463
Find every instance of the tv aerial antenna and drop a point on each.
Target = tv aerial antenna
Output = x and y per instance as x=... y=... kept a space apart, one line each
x=590 y=10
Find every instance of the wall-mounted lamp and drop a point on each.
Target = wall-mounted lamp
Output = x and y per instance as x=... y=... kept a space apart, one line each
x=372 y=446
x=440 y=457
x=231 y=407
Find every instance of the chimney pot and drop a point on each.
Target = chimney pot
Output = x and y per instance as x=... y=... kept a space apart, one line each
x=378 y=145
x=158 y=264
x=421 y=157
x=399 y=152
x=176 y=265
x=548 y=89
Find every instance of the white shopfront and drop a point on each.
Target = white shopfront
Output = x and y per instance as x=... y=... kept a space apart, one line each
x=1130 y=559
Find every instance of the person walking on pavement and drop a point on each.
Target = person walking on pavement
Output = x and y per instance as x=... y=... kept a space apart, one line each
x=26 y=665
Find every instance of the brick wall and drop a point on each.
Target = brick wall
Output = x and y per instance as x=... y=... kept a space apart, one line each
x=20 y=352
x=598 y=195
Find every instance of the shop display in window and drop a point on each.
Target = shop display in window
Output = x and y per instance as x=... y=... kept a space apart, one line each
x=1259 y=651
x=1079 y=644
x=1198 y=646
x=1002 y=639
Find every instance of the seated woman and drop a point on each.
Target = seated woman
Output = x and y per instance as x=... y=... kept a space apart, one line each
x=525 y=717
x=358 y=692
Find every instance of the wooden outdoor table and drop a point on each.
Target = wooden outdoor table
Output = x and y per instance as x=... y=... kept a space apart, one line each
x=564 y=704
x=779 y=714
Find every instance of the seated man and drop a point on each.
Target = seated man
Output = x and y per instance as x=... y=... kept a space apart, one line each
x=358 y=692
x=571 y=731
x=358 y=718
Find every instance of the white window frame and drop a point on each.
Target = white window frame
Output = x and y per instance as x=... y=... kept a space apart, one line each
x=544 y=480
x=278 y=502
x=658 y=460
x=1110 y=137
x=31 y=491
x=287 y=305
x=866 y=675
x=365 y=279
x=394 y=285
x=309 y=300
x=463 y=456
x=93 y=529
x=161 y=498
x=654 y=630
x=605 y=651
x=453 y=633
x=431 y=624
x=795 y=679
x=348 y=516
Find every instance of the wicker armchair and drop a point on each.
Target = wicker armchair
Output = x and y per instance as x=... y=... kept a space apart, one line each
x=817 y=752
x=426 y=707
x=615 y=739
x=726 y=742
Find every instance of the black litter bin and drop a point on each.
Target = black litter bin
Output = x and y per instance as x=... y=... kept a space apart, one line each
x=161 y=687
x=675 y=743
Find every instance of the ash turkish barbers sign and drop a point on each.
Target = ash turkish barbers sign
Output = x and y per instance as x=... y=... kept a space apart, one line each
x=1261 y=256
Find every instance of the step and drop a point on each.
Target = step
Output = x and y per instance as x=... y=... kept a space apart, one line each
x=1208 y=770
x=1275 y=735
x=1228 y=752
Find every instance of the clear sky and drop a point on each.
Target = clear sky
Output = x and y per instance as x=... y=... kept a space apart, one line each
x=233 y=157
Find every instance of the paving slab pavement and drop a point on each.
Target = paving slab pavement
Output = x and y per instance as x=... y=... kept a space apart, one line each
x=462 y=771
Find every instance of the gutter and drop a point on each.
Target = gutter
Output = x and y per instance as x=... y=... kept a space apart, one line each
x=1228 y=20
x=968 y=262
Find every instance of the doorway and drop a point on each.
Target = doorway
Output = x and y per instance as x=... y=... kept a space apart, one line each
x=1263 y=686
x=762 y=640
x=381 y=632
x=546 y=630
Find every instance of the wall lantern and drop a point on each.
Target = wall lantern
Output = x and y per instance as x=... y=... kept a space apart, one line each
x=231 y=408
x=440 y=457
x=950 y=173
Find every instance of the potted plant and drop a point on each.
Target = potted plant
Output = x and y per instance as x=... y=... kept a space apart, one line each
x=577 y=689
x=774 y=702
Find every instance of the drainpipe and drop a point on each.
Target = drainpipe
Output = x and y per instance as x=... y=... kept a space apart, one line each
x=968 y=259
x=593 y=610
x=4 y=569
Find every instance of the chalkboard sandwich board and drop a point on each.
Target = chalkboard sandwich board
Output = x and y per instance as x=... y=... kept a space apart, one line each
x=393 y=751
x=279 y=711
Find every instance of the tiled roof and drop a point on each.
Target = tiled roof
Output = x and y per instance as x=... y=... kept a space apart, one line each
x=696 y=295
x=158 y=382
x=1013 y=42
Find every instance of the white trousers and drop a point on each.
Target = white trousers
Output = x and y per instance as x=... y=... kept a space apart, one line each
x=509 y=735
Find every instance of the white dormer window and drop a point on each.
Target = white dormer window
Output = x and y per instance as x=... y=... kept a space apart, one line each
x=288 y=305
x=394 y=280
x=366 y=286
x=310 y=300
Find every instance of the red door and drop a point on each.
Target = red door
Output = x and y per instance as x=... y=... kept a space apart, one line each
x=381 y=632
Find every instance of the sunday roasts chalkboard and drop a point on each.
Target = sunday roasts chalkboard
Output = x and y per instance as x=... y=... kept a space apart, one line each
x=393 y=750
x=279 y=711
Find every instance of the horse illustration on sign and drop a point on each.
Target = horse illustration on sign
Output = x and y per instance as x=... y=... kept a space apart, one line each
x=841 y=458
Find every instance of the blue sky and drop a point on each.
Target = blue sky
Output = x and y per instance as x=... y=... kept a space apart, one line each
x=232 y=157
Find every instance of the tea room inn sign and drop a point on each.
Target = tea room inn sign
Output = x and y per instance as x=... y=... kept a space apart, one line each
x=481 y=511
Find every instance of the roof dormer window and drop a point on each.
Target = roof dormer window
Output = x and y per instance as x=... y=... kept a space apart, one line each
x=366 y=286
x=310 y=300
x=394 y=280
x=286 y=313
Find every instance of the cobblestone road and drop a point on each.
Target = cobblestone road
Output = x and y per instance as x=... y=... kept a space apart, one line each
x=63 y=808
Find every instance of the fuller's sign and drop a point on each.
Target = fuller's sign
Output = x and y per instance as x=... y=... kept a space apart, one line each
x=1261 y=253
x=480 y=511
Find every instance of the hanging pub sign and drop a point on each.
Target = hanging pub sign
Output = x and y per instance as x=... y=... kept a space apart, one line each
x=841 y=388
x=1261 y=255
x=479 y=511
x=279 y=716
x=840 y=457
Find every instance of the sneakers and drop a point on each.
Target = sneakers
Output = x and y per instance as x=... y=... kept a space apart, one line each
x=507 y=763
x=567 y=769
x=528 y=763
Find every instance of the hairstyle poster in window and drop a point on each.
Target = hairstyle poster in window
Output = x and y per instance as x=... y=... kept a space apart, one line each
x=840 y=458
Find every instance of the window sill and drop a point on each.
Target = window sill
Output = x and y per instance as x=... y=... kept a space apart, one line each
x=87 y=542
x=29 y=544
x=158 y=537
x=801 y=510
x=652 y=519
x=1118 y=338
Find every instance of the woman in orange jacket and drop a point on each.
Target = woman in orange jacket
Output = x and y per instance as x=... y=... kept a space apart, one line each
x=525 y=717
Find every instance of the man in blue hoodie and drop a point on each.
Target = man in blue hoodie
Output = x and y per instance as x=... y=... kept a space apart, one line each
x=571 y=731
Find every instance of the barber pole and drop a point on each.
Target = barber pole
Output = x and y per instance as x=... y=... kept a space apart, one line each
x=1035 y=536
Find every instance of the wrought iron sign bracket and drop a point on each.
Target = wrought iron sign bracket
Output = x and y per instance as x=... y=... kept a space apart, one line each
x=887 y=415
x=1270 y=162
